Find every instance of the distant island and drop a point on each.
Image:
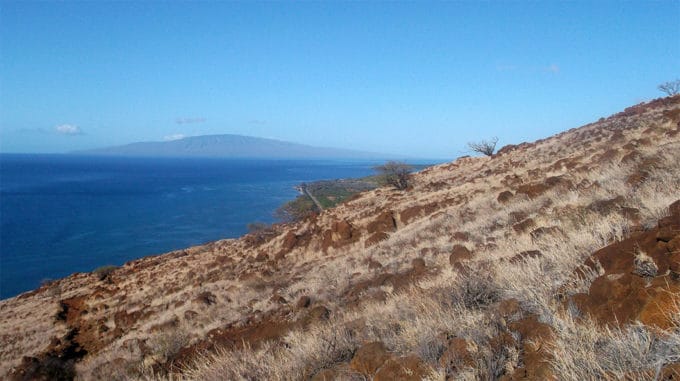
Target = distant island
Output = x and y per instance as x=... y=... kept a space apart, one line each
x=231 y=146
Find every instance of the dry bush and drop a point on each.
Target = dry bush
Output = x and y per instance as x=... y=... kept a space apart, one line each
x=395 y=173
x=167 y=343
x=486 y=147
x=670 y=88
x=477 y=288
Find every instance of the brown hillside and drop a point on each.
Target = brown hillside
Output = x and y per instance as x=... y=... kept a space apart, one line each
x=558 y=259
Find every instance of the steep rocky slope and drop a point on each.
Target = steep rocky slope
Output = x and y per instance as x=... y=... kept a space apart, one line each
x=553 y=259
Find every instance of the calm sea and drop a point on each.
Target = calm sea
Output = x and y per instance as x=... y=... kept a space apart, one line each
x=61 y=214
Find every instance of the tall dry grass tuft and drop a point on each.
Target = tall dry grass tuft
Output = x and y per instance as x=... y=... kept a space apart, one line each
x=584 y=350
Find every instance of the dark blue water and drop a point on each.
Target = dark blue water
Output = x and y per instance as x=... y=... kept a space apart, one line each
x=61 y=214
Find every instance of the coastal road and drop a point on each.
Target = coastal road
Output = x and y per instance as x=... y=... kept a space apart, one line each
x=305 y=191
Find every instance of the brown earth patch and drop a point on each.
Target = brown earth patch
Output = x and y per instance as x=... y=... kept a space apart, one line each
x=459 y=253
x=523 y=226
x=413 y=212
x=504 y=197
x=361 y=291
x=375 y=238
x=385 y=222
x=461 y=236
x=512 y=147
x=534 y=190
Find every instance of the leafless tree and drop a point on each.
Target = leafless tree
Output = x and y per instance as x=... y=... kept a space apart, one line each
x=395 y=173
x=485 y=147
x=670 y=87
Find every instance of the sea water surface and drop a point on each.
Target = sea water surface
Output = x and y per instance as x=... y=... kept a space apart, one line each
x=61 y=214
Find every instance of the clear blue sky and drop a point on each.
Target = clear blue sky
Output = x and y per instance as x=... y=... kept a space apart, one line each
x=419 y=79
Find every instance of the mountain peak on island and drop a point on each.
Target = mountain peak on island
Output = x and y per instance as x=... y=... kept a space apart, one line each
x=231 y=146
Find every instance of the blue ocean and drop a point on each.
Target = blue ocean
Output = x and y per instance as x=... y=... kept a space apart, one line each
x=62 y=214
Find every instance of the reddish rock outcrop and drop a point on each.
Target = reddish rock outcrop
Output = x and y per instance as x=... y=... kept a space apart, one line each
x=341 y=233
x=457 y=355
x=638 y=283
x=369 y=358
x=535 y=338
x=383 y=223
x=407 y=368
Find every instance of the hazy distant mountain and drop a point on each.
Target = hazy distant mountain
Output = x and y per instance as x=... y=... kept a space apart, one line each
x=231 y=146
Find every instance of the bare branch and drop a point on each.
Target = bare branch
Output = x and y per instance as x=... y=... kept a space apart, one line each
x=671 y=87
x=484 y=147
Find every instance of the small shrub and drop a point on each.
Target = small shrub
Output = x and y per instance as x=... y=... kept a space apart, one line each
x=484 y=147
x=104 y=272
x=52 y=287
x=166 y=344
x=395 y=173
